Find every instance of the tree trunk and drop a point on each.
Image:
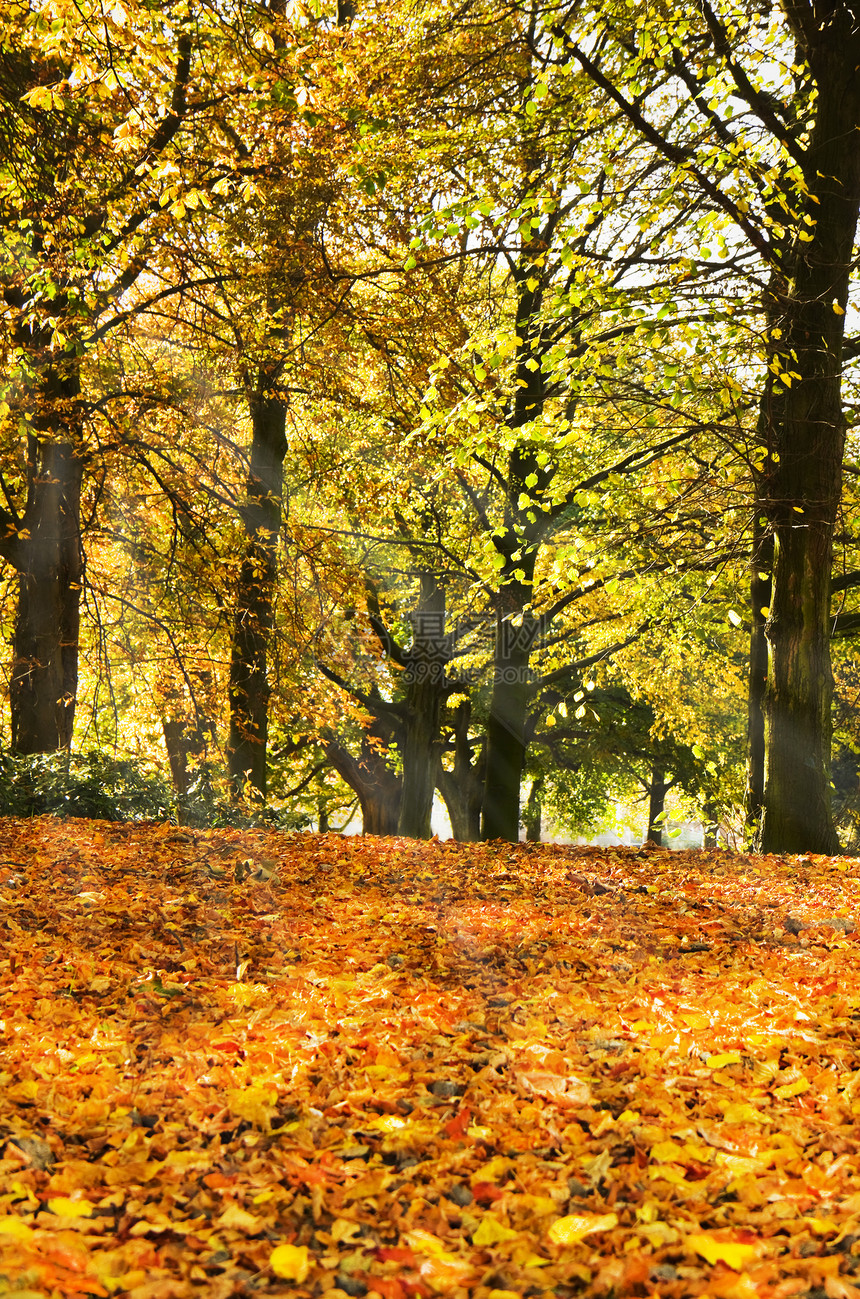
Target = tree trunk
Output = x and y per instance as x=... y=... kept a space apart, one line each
x=807 y=479
x=463 y=788
x=425 y=690
x=377 y=787
x=47 y=555
x=761 y=593
x=509 y=704
x=184 y=742
x=711 y=826
x=528 y=477
x=533 y=812
x=656 y=804
x=253 y=617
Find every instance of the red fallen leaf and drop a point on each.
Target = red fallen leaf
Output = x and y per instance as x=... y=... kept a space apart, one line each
x=395 y=1254
x=387 y=1286
x=213 y=1180
x=487 y=1192
x=457 y=1125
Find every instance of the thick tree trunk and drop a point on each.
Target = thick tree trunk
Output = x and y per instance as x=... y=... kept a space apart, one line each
x=185 y=743
x=656 y=804
x=425 y=690
x=47 y=555
x=462 y=789
x=807 y=479
x=509 y=704
x=253 y=617
x=528 y=477
x=377 y=787
x=761 y=592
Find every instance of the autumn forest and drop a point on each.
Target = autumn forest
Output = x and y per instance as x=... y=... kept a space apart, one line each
x=431 y=401
x=437 y=408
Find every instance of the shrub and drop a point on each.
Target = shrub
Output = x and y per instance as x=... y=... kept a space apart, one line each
x=86 y=785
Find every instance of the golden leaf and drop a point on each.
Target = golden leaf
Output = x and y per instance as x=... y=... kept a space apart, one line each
x=64 y=1207
x=492 y=1232
x=733 y=1253
x=290 y=1262
x=571 y=1229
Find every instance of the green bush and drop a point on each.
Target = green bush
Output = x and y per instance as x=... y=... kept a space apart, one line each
x=86 y=784
x=100 y=787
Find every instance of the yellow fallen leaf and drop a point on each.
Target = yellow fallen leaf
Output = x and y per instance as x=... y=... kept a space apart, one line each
x=570 y=1230
x=240 y=1219
x=822 y=1226
x=126 y=1282
x=792 y=1089
x=492 y=1232
x=64 y=1207
x=731 y=1252
x=344 y=1229
x=15 y=1228
x=665 y=1152
x=480 y=1133
x=389 y=1123
x=524 y=1256
x=492 y=1171
x=722 y=1061
x=695 y=1019
x=443 y=1274
x=540 y=1205
x=741 y=1112
x=738 y=1165
x=290 y=1262
x=365 y=1187
x=424 y=1242
x=672 y=1173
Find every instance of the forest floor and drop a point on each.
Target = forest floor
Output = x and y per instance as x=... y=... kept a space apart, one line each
x=240 y=1063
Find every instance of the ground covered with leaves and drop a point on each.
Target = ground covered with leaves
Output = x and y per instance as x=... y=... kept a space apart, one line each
x=242 y=1063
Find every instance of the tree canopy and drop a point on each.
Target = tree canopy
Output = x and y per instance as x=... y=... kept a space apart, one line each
x=436 y=399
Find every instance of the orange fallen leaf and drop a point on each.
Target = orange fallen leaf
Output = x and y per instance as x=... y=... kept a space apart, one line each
x=556 y=1087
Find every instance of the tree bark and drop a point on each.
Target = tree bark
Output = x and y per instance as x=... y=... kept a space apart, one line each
x=516 y=628
x=47 y=555
x=253 y=617
x=462 y=789
x=533 y=812
x=377 y=786
x=761 y=593
x=656 y=804
x=425 y=664
x=711 y=826
x=807 y=479
x=509 y=705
